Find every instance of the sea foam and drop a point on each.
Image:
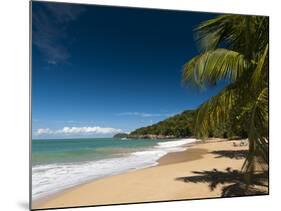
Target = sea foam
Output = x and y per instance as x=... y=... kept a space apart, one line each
x=51 y=178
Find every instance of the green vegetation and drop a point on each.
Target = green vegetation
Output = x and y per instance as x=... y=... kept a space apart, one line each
x=120 y=135
x=234 y=48
x=182 y=125
x=177 y=126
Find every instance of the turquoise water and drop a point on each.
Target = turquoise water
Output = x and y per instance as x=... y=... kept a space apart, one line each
x=63 y=163
x=78 y=150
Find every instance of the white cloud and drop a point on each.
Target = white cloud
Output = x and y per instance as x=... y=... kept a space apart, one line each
x=141 y=114
x=41 y=131
x=78 y=131
x=49 y=24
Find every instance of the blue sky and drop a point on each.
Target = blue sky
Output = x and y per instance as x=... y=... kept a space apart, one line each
x=100 y=70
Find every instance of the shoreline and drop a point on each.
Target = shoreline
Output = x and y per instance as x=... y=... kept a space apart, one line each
x=160 y=161
x=155 y=183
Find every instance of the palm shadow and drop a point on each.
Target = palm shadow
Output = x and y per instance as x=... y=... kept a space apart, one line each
x=233 y=154
x=237 y=185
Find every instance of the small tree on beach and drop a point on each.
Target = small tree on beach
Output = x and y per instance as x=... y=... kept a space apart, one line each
x=234 y=48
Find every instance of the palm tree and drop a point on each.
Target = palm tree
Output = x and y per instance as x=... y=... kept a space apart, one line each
x=234 y=48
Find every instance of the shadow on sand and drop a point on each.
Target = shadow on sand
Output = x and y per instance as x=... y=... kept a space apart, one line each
x=234 y=180
x=233 y=154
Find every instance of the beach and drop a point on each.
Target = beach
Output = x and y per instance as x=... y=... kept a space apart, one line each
x=178 y=176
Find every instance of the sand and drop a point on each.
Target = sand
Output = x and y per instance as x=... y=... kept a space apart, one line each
x=160 y=183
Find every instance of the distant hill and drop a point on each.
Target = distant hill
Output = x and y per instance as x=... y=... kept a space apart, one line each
x=120 y=135
x=181 y=125
x=176 y=126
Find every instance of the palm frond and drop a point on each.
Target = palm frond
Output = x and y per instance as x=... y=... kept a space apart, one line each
x=234 y=48
x=258 y=133
x=261 y=70
x=245 y=34
x=215 y=111
x=214 y=65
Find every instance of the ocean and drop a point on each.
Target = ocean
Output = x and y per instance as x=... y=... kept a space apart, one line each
x=58 y=164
